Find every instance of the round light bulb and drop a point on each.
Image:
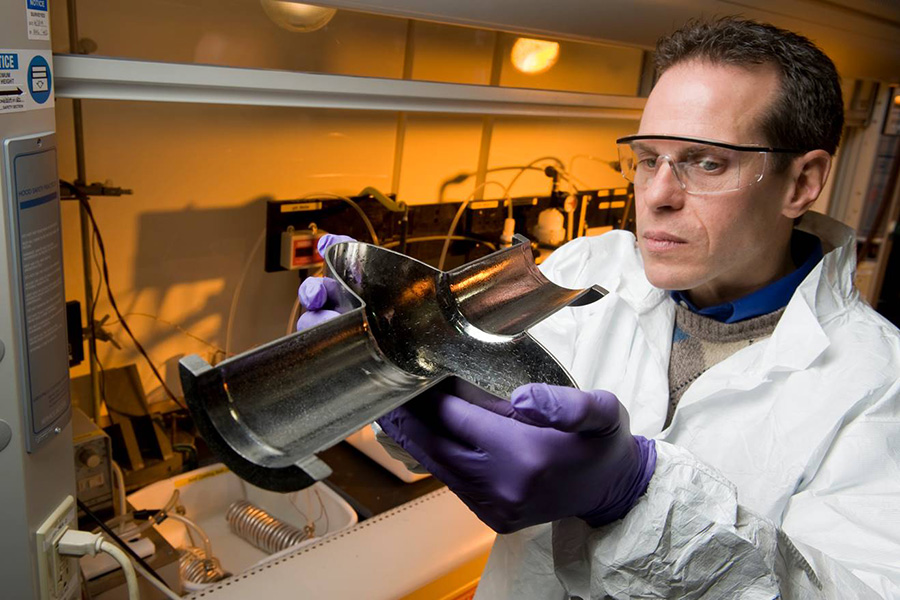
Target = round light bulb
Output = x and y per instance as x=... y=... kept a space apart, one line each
x=532 y=56
x=297 y=17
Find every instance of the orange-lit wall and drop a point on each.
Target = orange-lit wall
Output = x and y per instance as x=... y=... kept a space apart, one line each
x=200 y=173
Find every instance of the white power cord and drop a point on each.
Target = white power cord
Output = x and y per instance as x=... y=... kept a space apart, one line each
x=232 y=310
x=459 y=213
x=119 y=484
x=80 y=543
x=127 y=567
x=155 y=583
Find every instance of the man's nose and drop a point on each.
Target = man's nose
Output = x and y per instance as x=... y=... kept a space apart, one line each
x=665 y=189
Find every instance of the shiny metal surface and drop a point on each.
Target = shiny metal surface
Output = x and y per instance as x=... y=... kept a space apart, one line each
x=194 y=566
x=254 y=525
x=405 y=326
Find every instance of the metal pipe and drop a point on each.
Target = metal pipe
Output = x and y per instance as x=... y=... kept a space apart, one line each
x=405 y=327
x=400 y=138
x=80 y=179
x=487 y=122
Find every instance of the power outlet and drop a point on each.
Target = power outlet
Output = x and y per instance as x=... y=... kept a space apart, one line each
x=58 y=574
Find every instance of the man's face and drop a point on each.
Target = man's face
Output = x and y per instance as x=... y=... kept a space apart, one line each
x=722 y=246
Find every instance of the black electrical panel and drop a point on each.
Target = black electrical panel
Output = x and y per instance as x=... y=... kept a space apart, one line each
x=420 y=231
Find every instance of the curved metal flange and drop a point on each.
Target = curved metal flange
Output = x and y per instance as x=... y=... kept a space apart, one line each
x=405 y=327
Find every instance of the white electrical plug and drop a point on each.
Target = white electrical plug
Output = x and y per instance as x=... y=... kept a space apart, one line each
x=57 y=574
x=78 y=543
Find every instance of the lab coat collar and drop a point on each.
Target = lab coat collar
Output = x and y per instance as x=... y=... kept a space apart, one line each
x=827 y=291
x=798 y=338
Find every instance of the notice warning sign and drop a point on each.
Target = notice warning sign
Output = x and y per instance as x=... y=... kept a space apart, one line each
x=37 y=19
x=26 y=80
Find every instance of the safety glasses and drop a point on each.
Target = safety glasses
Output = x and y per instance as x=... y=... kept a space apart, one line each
x=699 y=166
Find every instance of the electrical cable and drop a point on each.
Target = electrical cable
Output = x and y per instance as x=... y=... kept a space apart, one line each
x=522 y=170
x=120 y=478
x=507 y=196
x=572 y=181
x=190 y=524
x=612 y=164
x=292 y=319
x=92 y=319
x=460 y=178
x=161 y=586
x=322 y=512
x=459 y=213
x=232 y=310
x=436 y=238
x=127 y=568
x=124 y=546
x=173 y=326
x=354 y=205
x=85 y=202
x=154 y=518
x=77 y=543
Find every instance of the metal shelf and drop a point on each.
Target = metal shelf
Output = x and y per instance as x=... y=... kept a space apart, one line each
x=89 y=77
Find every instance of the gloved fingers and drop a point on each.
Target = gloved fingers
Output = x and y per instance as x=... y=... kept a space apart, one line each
x=426 y=443
x=421 y=426
x=315 y=317
x=475 y=395
x=569 y=409
x=318 y=292
x=473 y=425
x=330 y=239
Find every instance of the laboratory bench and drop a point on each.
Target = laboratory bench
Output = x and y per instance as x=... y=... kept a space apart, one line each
x=414 y=541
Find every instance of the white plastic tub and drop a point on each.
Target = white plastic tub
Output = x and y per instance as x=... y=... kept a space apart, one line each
x=206 y=495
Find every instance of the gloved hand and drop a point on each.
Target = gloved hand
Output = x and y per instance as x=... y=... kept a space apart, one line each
x=550 y=453
x=319 y=295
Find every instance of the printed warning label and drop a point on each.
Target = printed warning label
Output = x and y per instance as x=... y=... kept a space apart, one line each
x=37 y=19
x=26 y=80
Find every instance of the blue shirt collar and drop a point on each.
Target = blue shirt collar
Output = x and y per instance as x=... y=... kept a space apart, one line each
x=804 y=247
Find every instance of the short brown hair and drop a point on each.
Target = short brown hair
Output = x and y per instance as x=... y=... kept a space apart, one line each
x=809 y=112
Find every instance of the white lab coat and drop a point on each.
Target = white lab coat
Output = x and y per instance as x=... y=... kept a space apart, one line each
x=791 y=443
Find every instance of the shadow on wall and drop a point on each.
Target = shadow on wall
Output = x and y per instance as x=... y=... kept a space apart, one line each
x=194 y=245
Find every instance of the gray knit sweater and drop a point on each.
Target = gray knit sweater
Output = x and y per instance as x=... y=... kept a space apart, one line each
x=700 y=342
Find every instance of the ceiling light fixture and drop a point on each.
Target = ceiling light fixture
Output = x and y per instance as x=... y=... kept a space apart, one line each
x=532 y=56
x=295 y=16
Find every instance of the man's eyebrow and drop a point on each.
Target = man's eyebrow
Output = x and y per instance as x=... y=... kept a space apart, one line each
x=642 y=146
x=684 y=150
x=695 y=148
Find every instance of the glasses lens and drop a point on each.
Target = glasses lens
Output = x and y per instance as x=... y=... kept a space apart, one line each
x=627 y=161
x=714 y=170
x=700 y=168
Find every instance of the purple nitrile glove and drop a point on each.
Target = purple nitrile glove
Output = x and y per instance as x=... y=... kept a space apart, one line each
x=319 y=295
x=553 y=452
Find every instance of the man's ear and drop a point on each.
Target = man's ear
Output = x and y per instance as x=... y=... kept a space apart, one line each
x=808 y=175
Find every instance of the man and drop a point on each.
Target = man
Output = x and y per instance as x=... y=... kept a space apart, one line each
x=764 y=393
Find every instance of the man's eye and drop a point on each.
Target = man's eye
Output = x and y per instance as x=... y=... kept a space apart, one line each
x=647 y=162
x=709 y=165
